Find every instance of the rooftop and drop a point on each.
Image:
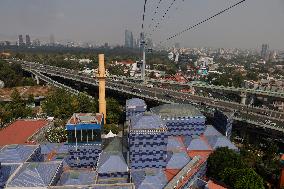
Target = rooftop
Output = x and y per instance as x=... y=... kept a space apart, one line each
x=78 y=177
x=19 y=131
x=176 y=110
x=135 y=102
x=149 y=179
x=6 y=171
x=211 y=131
x=220 y=141
x=177 y=160
x=111 y=163
x=34 y=175
x=146 y=121
x=36 y=91
x=84 y=118
x=16 y=153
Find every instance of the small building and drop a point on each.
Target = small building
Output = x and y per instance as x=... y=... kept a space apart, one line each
x=134 y=106
x=147 y=141
x=84 y=139
x=181 y=119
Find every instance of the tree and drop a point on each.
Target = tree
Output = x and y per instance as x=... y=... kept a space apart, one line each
x=111 y=127
x=114 y=111
x=221 y=159
x=245 y=178
x=86 y=104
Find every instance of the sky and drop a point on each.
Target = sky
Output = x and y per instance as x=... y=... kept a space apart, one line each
x=247 y=26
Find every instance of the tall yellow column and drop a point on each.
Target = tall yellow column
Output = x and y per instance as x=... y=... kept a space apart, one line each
x=101 y=75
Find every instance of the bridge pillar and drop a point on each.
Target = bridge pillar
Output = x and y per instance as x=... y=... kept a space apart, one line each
x=192 y=90
x=37 y=79
x=243 y=98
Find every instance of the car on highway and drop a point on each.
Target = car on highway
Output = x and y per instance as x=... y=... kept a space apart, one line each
x=150 y=85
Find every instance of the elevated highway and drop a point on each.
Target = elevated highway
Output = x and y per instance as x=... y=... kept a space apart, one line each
x=264 y=118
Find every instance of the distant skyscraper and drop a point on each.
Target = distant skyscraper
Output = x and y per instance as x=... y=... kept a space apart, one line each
x=149 y=43
x=177 y=45
x=28 y=40
x=20 y=40
x=128 y=39
x=36 y=42
x=264 y=51
x=52 y=40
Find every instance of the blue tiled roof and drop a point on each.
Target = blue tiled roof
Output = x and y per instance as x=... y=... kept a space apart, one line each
x=137 y=177
x=112 y=163
x=34 y=175
x=174 y=144
x=16 y=153
x=157 y=180
x=198 y=144
x=220 y=141
x=146 y=121
x=46 y=148
x=77 y=178
x=135 y=102
x=6 y=171
x=211 y=131
x=178 y=160
x=63 y=149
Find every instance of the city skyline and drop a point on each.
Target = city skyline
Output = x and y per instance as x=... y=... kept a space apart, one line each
x=247 y=26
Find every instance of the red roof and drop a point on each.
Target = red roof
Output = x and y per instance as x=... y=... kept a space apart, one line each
x=171 y=173
x=19 y=131
x=282 y=178
x=212 y=185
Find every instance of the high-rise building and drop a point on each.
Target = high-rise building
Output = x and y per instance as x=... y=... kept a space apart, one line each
x=21 y=40
x=149 y=43
x=264 y=51
x=52 y=40
x=128 y=39
x=36 y=42
x=28 y=40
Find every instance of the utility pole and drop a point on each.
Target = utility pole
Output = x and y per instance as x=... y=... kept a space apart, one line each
x=143 y=44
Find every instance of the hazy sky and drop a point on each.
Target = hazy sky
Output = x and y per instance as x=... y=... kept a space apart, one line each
x=247 y=26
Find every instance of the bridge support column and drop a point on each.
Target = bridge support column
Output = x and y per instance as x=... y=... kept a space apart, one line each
x=37 y=79
x=192 y=90
x=243 y=98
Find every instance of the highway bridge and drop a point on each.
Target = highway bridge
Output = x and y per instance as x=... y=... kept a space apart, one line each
x=263 y=118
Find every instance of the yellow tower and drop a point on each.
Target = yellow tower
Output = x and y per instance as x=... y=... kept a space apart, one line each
x=101 y=75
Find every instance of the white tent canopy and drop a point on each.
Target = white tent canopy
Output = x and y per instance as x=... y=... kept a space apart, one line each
x=109 y=135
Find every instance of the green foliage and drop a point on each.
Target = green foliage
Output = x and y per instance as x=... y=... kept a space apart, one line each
x=114 y=111
x=233 y=169
x=56 y=134
x=113 y=127
x=13 y=76
x=17 y=108
x=62 y=105
x=245 y=178
x=221 y=159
